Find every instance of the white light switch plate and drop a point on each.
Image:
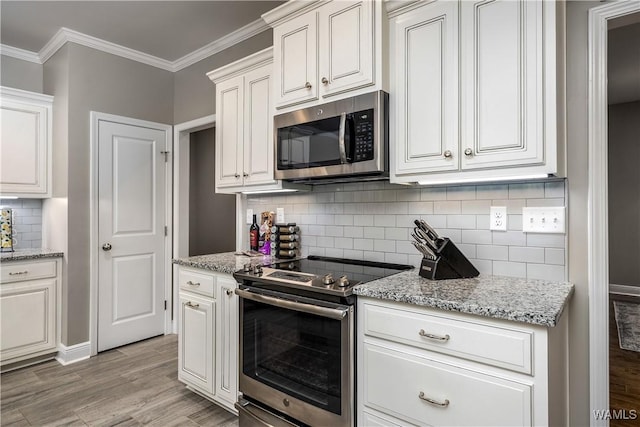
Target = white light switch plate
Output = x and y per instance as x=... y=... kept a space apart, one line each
x=279 y=215
x=498 y=218
x=249 y=216
x=544 y=220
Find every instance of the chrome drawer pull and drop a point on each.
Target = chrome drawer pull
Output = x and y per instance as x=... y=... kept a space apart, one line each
x=423 y=334
x=434 y=402
x=190 y=283
x=190 y=304
x=17 y=273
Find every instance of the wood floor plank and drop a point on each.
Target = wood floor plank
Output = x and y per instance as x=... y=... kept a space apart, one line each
x=130 y=386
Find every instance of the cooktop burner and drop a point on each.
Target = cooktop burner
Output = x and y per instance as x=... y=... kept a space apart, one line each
x=334 y=276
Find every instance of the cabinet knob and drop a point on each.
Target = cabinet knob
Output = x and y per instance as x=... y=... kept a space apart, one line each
x=229 y=292
x=237 y=175
x=308 y=85
x=325 y=81
x=245 y=175
x=448 y=154
x=468 y=152
x=106 y=247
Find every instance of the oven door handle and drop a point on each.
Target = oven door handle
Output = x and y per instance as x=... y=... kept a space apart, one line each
x=331 y=313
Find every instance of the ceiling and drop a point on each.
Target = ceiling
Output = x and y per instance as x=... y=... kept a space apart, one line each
x=168 y=30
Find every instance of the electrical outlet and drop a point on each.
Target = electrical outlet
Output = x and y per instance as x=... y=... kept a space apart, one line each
x=249 y=216
x=498 y=218
x=279 y=215
x=544 y=220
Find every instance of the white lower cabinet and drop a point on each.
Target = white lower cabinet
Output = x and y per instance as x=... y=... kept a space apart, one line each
x=29 y=318
x=421 y=366
x=208 y=334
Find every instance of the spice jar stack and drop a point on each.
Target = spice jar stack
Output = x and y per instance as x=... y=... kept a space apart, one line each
x=285 y=240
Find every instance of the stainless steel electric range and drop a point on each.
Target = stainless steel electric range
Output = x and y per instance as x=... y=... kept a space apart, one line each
x=297 y=326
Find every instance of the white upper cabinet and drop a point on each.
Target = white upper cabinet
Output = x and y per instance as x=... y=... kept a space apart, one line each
x=25 y=143
x=325 y=49
x=229 y=132
x=258 y=127
x=474 y=91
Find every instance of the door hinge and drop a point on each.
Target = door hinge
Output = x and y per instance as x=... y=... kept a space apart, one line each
x=166 y=155
x=166 y=230
x=165 y=304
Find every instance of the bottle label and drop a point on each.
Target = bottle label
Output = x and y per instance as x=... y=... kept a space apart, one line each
x=253 y=239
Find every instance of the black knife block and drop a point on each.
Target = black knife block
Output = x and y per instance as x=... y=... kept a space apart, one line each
x=450 y=263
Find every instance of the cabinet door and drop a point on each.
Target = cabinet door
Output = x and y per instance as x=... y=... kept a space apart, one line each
x=425 y=78
x=295 y=53
x=227 y=341
x=25 y=145
x=195 y=343
x=229 y=132
x=502 y=84
x=346 y=46
x=258 y=127
x=28 y=320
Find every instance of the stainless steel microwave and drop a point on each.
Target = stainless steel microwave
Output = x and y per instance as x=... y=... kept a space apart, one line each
x=339 y=141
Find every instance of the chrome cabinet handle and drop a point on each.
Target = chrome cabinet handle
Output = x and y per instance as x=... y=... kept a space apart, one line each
x=424 y=334
x=192 y=305
x=229 y=292
x=106 y=247
x=468 y=152
x=434 y=402
x=18 y=273
x=448 y=154
x=325 y=81
x=190 y=283
x=308 y=85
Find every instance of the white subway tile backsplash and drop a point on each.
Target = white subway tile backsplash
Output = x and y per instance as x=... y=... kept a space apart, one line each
x=374 y=220
x=27 y=222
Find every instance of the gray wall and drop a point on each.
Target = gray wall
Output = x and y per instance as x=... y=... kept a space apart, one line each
x=194 y=93
x=211 y=216
x=20 y=74
x=624 y=193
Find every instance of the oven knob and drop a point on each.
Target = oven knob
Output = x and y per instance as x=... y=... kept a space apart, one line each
x=343 y=281
x=257 y=269
x=286 y=402
x=247 y=268
x=328 y=279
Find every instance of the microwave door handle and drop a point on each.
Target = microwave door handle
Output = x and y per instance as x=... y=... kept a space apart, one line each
x=343 y=152
x=331 y=313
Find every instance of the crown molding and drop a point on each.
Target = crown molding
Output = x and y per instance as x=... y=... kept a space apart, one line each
x=290 y=10
x=65 y=35
x=239 y=35
x=255 y=60
x=14 y=52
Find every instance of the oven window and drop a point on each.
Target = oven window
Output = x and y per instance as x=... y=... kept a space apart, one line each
x=296 y=353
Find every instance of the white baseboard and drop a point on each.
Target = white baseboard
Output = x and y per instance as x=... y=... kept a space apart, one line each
x=75 y=353
x=624 y=290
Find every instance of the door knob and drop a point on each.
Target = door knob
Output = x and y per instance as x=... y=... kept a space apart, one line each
x=106 y=247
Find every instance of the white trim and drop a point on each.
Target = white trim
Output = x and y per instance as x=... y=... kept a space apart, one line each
x=597 y=205
x=95 y=118
x=14 y=52
x=74 y=353
x=241 y=66
x=290 y=10
x=624 y=290
x=181 y=139
x=64 y=35
x=241 y=34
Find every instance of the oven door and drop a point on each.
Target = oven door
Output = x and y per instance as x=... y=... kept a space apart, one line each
x=296 y=356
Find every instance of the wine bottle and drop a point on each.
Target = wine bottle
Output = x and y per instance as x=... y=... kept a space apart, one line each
x=254 y=234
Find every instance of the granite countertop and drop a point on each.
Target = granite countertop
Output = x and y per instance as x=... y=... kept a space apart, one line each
x=531 y=301
x=226 y=262
x=27 y=254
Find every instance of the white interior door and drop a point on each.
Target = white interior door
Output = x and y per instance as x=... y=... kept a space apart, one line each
x=131 y=229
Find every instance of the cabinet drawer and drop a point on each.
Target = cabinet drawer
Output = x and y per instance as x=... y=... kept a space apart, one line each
x=17 y=272
x=492 y=345
x=195 y=281
x=458 y=396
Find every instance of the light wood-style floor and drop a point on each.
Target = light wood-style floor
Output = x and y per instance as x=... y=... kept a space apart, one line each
x=128 y=386
x=624 y=372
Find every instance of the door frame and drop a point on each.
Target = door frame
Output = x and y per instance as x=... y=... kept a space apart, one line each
x=94 y=250
x=181 y=149
x=598 y=221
